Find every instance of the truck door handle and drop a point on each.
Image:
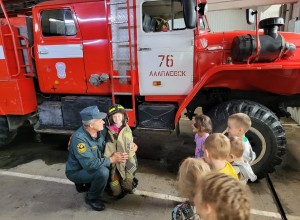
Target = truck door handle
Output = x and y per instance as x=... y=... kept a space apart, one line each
x=144 y=49
x=43 y=52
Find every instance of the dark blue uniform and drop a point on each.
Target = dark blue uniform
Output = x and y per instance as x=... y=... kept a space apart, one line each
x=85 y=162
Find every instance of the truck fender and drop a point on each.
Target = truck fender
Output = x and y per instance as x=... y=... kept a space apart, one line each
x=195 y=89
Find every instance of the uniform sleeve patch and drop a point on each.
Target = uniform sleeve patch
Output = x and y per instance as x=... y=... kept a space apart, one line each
x=81 y=148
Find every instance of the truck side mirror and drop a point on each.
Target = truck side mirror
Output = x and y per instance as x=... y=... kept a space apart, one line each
x=189 y=13
x=202 y=8
x=250 y=16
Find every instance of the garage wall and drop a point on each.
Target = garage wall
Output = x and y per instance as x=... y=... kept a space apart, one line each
x=235 y=19
x=296 y=10
x=295 y=113
x=228 y=20
x=294 y=26
x=269 y=11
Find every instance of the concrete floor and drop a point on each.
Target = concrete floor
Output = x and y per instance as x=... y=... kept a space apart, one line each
x=46 y=193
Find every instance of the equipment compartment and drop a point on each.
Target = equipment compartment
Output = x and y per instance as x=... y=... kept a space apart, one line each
x=157 y=116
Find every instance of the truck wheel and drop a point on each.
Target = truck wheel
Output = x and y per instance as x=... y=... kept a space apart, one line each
x=6 y=136
x=266 y=135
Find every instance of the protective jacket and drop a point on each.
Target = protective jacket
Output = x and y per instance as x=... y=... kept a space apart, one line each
x=121 y=143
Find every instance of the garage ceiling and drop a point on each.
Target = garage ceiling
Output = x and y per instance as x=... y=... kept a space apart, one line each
x=14 y=7
x=216 y=5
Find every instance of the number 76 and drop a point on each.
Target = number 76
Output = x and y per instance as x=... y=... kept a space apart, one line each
x=167 y=60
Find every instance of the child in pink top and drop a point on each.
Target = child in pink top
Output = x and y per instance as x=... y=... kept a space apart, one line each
x=202 y=126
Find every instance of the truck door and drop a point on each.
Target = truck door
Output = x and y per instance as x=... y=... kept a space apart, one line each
x=59 y=51
x=165 y=48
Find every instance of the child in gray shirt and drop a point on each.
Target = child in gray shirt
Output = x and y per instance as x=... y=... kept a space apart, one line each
x=241 y=166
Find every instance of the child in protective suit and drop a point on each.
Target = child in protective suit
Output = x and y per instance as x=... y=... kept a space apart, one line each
x=119 y=139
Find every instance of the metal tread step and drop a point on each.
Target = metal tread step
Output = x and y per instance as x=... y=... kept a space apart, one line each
x=119 y=59
x=122 y=93
x=119 y=42
x=121 y=77
x=118 y=22
x=117 y=3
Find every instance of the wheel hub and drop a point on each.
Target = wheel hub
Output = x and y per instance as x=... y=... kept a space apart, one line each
x=258 y=143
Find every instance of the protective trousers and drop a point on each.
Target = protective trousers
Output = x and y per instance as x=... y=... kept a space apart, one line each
x=117 y=184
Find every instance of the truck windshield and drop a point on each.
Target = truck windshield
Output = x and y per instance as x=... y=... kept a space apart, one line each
x=164 y=15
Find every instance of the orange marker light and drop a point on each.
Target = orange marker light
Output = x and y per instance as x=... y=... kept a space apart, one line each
x=156 y=83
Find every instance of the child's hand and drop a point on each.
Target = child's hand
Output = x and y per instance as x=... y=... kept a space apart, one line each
x=133 y=147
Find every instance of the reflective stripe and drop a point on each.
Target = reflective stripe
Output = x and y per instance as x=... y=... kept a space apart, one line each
x=1 y=53
x=60 y=51
x=115 y=108
x=114 y=183
x=112 y=109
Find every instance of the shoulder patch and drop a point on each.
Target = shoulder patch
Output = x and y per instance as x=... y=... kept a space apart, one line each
x=81 y=148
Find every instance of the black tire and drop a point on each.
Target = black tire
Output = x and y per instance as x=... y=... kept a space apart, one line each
x=6 y=136
x=266 y=135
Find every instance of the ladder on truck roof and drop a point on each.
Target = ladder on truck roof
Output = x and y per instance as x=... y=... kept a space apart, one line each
x=120 y=16
x=22 y=45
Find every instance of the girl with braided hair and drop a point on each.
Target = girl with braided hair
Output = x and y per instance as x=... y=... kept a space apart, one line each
x=221 y=197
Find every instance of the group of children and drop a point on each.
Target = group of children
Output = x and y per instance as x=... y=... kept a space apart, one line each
x=231 y=155
x=215 y=180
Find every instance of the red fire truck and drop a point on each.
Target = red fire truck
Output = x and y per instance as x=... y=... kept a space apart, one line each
x=155 y=57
